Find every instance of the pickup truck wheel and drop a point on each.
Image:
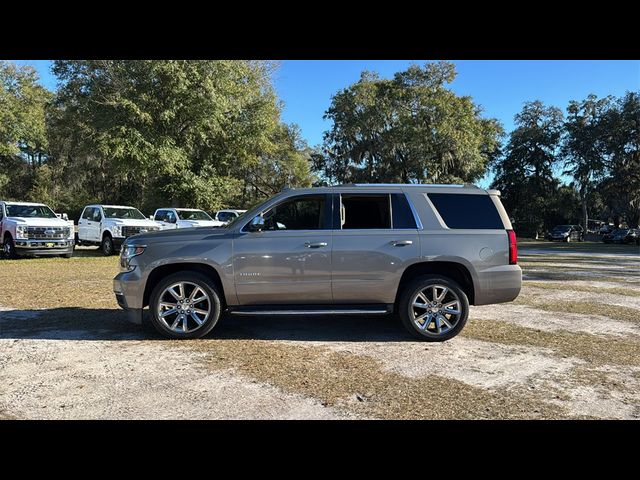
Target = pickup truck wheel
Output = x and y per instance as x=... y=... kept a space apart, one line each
x=107 y=245
x=433 y=308
x=185 y=305
x=9 y=248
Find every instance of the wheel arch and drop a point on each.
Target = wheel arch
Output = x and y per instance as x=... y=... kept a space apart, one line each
x=456 y=271
x=157 y=274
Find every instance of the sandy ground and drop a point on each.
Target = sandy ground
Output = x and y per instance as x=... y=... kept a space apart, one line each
x=87 y=362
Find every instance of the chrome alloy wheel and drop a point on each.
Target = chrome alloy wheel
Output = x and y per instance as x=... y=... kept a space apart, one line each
x=436 y=309
x=184 y=307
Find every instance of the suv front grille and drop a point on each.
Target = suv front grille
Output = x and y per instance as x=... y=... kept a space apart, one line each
x=48 y=233
x=127 y=231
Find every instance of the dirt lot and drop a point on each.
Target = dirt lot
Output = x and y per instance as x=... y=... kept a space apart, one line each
x=569 y=347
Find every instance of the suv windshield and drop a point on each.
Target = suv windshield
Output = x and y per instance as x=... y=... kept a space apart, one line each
x=29 y=211
x=126 y=213
x=562 y=228
x=193 y=215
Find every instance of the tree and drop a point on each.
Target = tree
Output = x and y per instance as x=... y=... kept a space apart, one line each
x=525 y=173
x=23 y=141
x=584 y=146
x=621 y=188
x=411 y=128
x=180 y=133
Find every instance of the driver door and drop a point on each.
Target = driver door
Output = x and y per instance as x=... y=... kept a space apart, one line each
x=289 y=261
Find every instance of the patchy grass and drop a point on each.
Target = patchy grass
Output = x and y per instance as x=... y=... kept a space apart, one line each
x=596 y=349
x=360 y=384
x=582 y=288
x=81 y=281
x=585 y=307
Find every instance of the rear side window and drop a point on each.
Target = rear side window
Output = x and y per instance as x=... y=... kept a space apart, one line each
x=467 y=211
x=365 y=212
x=402 y=214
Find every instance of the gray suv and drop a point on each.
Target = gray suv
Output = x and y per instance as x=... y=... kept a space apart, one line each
x=423 y=252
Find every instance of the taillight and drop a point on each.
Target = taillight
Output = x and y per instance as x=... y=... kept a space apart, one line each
x=513 y=248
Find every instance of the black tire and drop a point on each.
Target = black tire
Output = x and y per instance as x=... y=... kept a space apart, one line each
x=201 y=281
x=107 y=245
x=9 y=248
x=405 y=307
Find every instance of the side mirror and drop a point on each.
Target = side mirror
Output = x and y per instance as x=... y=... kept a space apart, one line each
x=256 y=224
x=150 y=217
x=172 y=219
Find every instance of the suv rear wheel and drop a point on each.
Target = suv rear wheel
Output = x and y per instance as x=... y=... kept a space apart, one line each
x=433 y=308
x=185 y=305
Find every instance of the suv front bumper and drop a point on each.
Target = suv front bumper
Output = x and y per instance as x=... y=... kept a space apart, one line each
x=127 y=289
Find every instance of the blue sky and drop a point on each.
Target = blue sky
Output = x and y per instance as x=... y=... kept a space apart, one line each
x=500 y=86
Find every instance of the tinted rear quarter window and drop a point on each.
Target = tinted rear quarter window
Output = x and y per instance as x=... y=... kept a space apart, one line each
x=402 y=214
x=466 y=211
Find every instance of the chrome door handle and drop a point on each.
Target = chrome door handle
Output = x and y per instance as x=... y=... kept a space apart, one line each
x=401 y=243
x=315 y=244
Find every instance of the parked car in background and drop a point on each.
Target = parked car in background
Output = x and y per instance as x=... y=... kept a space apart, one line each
x=33 y=229
x=228 y=215
x=608 y=237
x=109 y=225
x=566 y=233
x=606 y=229
x=626 y=235
x=170 y=218
x=425 y=252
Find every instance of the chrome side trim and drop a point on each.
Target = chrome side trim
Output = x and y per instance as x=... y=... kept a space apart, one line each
x=415 y=213
x=309 y=312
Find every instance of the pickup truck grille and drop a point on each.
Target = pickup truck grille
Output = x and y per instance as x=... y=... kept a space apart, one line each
x=48 y=233
x=128 y=231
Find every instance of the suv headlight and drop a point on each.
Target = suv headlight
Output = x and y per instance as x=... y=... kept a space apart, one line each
x=127 y=252
x=21 y=232
x=116 y=230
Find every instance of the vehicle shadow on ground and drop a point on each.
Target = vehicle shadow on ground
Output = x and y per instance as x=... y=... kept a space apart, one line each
x=111 y=324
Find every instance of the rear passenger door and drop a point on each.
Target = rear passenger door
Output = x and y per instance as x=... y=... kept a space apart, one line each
x=375 y=238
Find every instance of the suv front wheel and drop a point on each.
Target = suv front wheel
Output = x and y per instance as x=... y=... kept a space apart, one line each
x=433 y=308
x=185 y=305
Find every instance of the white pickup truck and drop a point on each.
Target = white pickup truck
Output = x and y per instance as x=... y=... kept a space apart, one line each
x=34 y=229
x=109 y=225
x=228 y=215
x=184 y=218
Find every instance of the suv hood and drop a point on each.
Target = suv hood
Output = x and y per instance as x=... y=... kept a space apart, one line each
x=40 y=222
x=180 y=235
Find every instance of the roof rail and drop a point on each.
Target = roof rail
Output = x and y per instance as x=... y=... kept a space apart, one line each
x=430 y=185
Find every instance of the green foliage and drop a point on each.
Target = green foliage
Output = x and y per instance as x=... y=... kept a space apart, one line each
x=525 y=174
x=179 y=133
x=621 y=187
x=411 y=128
x=584 y=146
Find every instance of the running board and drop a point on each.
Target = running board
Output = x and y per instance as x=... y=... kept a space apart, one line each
x=312 y=310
